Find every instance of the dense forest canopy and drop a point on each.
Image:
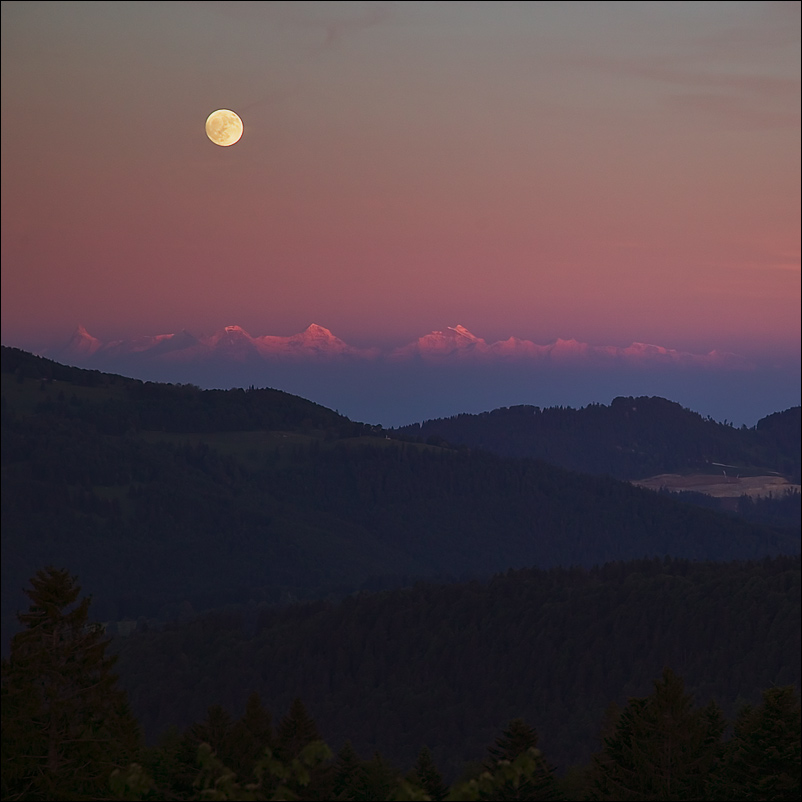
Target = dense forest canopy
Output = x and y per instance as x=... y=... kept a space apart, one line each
x=68 y=732
x=446 y=665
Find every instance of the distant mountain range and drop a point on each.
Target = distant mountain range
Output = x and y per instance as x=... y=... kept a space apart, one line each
x=454 y=345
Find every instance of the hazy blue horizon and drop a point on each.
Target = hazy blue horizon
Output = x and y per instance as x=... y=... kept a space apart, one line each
x=398 y=394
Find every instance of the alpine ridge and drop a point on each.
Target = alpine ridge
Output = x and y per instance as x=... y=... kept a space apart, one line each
x=455 y=344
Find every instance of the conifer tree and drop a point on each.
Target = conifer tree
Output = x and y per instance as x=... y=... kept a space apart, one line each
x=426 y=775
x=167 y=765
x=516 y=740
x=662 y=747
x=762 y=759
x=65 y=724
x=250 y=736
x=378 y=780
x=347 y=768
x=513 y=741
x=214 y=730
x=295 y=731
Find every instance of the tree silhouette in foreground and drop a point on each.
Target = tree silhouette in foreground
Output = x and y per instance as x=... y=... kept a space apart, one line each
x=536 y=782
x=65 y=724
x=347 y=768
x=662 y=747
x=67 y=733
x=426 y=775
x=762 y=759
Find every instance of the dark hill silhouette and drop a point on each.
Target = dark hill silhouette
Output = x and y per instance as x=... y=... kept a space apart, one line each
x=632 y=438
x=119 y=404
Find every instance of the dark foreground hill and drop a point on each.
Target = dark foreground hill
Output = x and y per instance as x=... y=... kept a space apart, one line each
x=449 y=665
x=166 y=499
x=632 y=438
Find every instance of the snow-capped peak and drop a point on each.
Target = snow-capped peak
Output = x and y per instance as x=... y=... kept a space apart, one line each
x=231 y=331
x=455 y=341
x=233 y=341
x=318 y=332
x=82 y=343
x=463 y=332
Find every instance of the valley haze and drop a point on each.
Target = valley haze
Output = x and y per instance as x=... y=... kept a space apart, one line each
x=445 y=372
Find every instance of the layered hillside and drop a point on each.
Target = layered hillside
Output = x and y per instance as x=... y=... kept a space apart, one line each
x=159 y=495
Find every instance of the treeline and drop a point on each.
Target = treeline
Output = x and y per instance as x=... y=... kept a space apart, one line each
x=68 y=733
x=661 y=746
x=447 y=665
x=781 y=509
x=632 y=438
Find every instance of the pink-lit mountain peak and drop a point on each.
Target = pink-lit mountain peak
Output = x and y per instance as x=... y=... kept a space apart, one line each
x=153 y=343
x=229 y=334
x=454 y=341
x=317 y=334
x=314 y=341
x=82 y=342
x=569 y=349
x=462 y=332
x=516 y=348
x=647 y=348
x=231 y=343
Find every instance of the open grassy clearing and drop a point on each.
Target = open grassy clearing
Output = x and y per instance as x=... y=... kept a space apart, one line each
x=721 y=485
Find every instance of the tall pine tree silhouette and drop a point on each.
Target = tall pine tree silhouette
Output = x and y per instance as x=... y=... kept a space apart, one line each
x=662 y=747
x=761 y=760
x=538 y=783
x=426 y=775
x=295 y=731
x=347 y=768
x=250 y=736
x=65 y=724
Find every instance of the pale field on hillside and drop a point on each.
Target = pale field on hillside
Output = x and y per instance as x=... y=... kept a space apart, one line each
x=721 y=485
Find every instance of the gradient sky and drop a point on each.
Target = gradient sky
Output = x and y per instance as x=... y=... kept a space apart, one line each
x=609 y=171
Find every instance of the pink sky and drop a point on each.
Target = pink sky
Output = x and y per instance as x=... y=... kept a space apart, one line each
x=611 y=172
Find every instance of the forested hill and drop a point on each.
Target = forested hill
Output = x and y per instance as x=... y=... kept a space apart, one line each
x=167 y=499
x=449 y=665
x=632 y=438
x=114 y=404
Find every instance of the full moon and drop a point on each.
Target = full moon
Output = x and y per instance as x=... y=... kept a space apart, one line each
x=224 y=127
